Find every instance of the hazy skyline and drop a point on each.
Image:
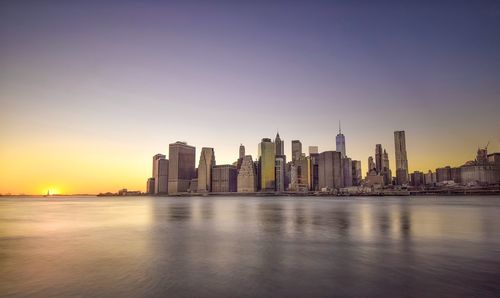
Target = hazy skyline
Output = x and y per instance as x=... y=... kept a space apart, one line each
x=90 y=91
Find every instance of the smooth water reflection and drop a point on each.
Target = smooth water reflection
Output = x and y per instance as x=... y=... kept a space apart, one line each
x=258 y=247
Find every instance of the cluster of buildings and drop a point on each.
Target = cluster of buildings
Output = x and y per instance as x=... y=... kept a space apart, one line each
x=483 y=171
x=326 y=172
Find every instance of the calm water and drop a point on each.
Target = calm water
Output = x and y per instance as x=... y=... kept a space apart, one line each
x=250 y=247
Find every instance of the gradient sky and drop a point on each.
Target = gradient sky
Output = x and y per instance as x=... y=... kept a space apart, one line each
x=90 y=91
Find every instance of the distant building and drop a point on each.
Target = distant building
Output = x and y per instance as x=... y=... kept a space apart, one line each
x=207 y=162
x=430 y=178
x=356 y=173
x=494 y=159
x=417 y=179
x=247 y=176
x=480 y=171
x=280 y=169
x=160 y=175
x=313 y=150
x=386 y=170
x=181 y=167
x=296 y=149
x=240 y=158
x=401 y=157
x=378 y=158
x=267 y=160
x=242 y=151
x=456 y=175
x=279 y=145
x=443 y=174
x=347 y=169
x=340 y=143
x=313 y=170
x=150 y=186
x=300 y=174
x=330 y=170
x=371 y=166
x=224 y=178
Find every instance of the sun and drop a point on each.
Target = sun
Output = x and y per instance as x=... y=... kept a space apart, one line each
x=52 y=190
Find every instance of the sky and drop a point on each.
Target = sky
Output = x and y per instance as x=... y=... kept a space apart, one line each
x=91 y=90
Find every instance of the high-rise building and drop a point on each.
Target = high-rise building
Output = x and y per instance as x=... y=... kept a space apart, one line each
x=313 y=170
x=401 y=157
x=371 y=165
x=247 y=176
x=300 y=177
x=313 y=150
x=267 y=160
x=224 y=178
x=417 y=179
x=279 y=144
x=150 y=186
x=340 y=143
x=347 y=171
x=296 y=149
x=155 y=165
x=386 y=171
x=443 y=174
x=330 y=170
x=161 y=179
x=430 y=178
x=356 y=173
x=280 y=168
x=378 y=158
x=242 y=151
x=181 y=167
x=207 y=162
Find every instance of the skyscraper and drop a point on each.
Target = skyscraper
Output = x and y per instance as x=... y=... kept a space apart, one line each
x=371 y=165
x=340 y=143
x=242 y=151
x=160 y=175
x=247 y=176
x=347 y=171
x=378 y=158
x=386 y=171
x=296 y=149
x=356 y=172
x=313 y=150
x=207 y=162
x=267 y=160
x=181 y=167
x=224 y=178
x=150 y=186
x=280 y=168
x=330 y=170
x=279 y=144
x=401 y=158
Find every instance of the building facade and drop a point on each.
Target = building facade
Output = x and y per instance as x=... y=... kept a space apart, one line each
x=247 y=176
x=401 y=157
x=207 y=162
x=181 y=167
x=330 y=170
x=224 y=178
x=280 y=169
x=340 y=143
x=296 y=149
x=267 y=160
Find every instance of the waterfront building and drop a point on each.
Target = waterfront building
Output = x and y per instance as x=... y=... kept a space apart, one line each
x=378 y=158
x=279 y=144
x=443 y=174
x=207 y=162
x=417 y=179
x=330 y=175
x=296 y=149
x=401 y=157
x=430 y=178
x=267 y=160
x=247 y=176
x=347 y=171
x=313 y=150
x=356 y=173
x=386 y=170
x=300 y=174
x=224 y=178
x=280 y=169
x=479 y=171
x=181 y=167
x=159 y=181
x=456 y=175
x=150 y=186
x=340 y=143
x=313 y=170
x=494 y=159
x=371 y=166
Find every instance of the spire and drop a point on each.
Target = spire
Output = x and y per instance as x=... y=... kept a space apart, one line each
x=340 y=129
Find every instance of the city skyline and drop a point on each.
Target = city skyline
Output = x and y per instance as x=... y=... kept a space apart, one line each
x=90 y=91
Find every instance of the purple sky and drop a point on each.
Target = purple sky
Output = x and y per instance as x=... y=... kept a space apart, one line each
x=128 y=78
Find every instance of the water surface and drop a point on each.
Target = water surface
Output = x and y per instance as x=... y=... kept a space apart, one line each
x=250 y=247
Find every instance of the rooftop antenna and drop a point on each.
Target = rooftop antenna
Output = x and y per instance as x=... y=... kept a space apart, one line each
x=340 y=129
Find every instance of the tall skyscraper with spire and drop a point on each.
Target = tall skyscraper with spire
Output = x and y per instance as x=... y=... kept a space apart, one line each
x=401 y=158
x=280 y=145
x=340 y=143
